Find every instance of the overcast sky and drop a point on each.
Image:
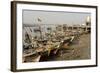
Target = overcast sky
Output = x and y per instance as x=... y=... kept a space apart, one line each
x=49 y=17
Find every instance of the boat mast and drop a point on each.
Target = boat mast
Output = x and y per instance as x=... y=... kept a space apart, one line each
x=39 y=20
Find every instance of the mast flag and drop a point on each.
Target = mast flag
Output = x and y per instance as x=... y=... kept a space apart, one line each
x=39 y=20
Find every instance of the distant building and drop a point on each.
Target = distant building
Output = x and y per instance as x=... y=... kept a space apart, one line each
x=80 y=27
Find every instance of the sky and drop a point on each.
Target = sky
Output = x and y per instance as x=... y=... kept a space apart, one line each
x=51 y=17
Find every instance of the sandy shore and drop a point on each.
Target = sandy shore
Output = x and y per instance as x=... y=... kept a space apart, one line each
x=79 y=49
